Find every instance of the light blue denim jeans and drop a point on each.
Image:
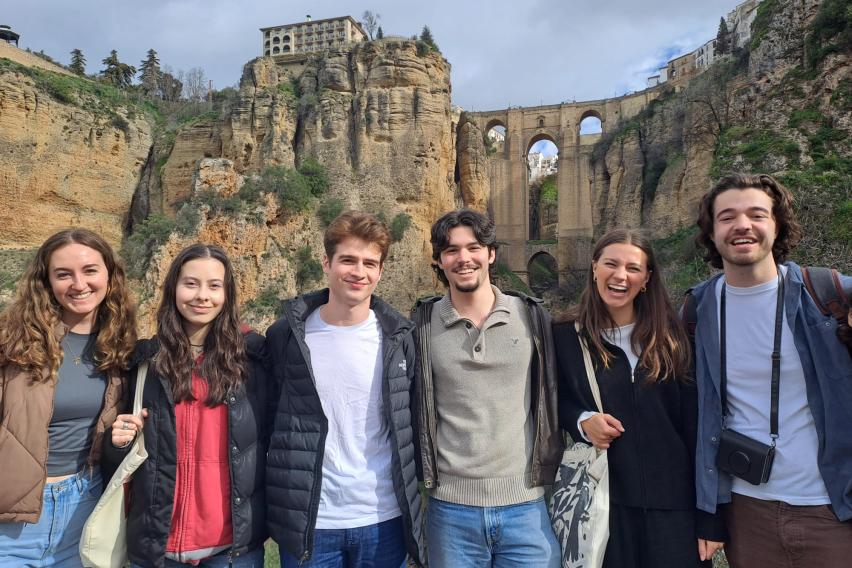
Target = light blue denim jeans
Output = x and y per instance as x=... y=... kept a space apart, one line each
x=463 y=536
x=55 y=539
x=374 y=546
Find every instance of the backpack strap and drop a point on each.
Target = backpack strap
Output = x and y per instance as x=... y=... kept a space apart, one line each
x=823 y=284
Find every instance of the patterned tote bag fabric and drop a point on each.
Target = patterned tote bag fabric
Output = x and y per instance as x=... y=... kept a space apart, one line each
x=579 y=507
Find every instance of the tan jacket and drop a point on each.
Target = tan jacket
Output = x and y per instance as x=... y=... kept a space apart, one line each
x=26 y=407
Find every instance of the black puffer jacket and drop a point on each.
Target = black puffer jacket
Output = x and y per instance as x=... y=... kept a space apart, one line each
x=153 y=487
x=297 y=446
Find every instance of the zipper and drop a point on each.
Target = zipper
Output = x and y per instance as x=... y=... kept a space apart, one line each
x=638 y=429
x=537 y=417
x=317 y=485
x=428 y=395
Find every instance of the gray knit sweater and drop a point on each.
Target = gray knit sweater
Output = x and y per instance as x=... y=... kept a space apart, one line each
x=483 y=400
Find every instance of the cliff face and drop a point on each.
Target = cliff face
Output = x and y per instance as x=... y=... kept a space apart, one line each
x=783 y=108
x=377 y=118
x=64 y=163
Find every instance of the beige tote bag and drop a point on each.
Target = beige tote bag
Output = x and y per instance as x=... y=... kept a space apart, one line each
x=103 y=543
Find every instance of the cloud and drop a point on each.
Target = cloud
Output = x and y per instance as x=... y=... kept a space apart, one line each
x=502 y=52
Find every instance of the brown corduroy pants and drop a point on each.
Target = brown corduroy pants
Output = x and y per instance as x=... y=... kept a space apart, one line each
x=773 y=534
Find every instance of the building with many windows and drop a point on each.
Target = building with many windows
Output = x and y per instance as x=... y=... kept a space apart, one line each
x=311 y=36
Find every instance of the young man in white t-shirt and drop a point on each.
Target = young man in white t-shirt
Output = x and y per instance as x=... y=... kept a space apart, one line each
x=341 y=480
x=802 y=515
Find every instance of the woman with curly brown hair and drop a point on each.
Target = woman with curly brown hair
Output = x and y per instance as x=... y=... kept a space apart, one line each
x=199 y=498
x=65 y=343
x=648 y=425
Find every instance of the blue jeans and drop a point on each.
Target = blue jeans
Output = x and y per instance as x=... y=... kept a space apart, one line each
x=55 y=539
x=251 y=559
x=463 y=536
x=374 y=546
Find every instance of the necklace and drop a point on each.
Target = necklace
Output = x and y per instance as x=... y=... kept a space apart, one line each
x=76 y=357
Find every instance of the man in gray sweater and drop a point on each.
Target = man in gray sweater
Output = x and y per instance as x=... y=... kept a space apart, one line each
x=486 y=400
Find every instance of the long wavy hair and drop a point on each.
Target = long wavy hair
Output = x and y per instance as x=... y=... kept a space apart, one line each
x=658 y=335
x=224 y=362
x=28 y=325
x=789 y=230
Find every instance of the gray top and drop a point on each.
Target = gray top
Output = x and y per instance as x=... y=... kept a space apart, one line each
x=77 y=403
x=483 y=404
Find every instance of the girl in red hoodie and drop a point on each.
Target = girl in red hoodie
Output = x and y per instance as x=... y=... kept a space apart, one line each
x=199 y=497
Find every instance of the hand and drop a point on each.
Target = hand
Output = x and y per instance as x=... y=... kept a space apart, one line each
x=706 y=548
x=125 y=427
x=601 y=429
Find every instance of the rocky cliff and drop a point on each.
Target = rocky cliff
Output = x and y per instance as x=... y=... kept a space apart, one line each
x=781 y=107
x=377 y=118
x=70 y=156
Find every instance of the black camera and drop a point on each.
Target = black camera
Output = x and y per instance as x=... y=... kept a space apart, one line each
x=744 y=457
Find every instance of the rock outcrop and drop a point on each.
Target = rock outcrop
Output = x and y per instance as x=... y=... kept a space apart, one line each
x=64 y=163
x=377 y=118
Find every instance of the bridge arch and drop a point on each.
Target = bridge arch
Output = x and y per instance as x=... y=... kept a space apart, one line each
x=542 y=272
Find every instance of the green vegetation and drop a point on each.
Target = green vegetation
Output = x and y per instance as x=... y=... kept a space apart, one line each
x=295 y=190
x=842 y=95
x=426 y=42
x=138 y=248
x=508 y=280
x=742 y=148
x=830 y=31
x=682 y=262
x=766 y=12
x=266 y=302
x=329 y=209
x=549 y=195
x=399 y=225
x=308 y=269
x=841 y=223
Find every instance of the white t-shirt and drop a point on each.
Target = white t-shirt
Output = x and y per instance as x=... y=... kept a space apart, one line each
x=357 y=484
x=750 y=314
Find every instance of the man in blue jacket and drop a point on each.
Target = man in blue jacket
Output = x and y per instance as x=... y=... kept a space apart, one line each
x=756 y=309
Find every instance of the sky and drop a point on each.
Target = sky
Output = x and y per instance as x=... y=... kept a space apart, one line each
x=503 y=53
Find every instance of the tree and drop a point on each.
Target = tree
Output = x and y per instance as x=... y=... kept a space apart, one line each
x=370 y=21
x=150 y=75
x=78 y=63
x=117 y=73
x=723 y=39
x=379 y=33
x=171 y=86
x=426 y=37
x=195 y=86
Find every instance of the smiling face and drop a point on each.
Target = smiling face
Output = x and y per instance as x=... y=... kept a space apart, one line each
x=620 y=274
x=353 y=272
x=744 y=228
x=79 y=281
x=200 y=296
x=465 y=261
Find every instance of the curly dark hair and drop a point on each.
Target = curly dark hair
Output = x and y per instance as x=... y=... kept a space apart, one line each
x=481 y=225
x=789 y=230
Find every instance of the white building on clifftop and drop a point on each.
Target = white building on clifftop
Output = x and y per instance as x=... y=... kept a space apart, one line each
x=311 y=36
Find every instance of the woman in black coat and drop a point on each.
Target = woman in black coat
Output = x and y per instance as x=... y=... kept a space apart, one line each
x=199 y=498
x=641 y=359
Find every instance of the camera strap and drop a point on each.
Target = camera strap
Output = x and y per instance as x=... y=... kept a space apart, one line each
x=776 y=359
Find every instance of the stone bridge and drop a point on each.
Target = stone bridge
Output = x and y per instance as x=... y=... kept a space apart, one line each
x=509 y=178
